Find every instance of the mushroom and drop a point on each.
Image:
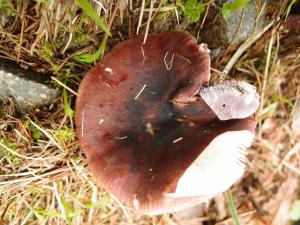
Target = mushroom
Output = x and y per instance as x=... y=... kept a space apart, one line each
x=150 y=137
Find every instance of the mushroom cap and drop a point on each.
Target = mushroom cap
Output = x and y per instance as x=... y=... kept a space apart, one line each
x=147 y=134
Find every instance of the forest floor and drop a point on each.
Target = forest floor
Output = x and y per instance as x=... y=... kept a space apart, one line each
x=44 y=177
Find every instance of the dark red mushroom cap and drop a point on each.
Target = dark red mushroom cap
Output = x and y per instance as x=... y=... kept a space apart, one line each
x=148 y=134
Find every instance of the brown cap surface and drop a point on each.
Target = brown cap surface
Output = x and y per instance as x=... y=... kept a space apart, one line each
x=141 y=123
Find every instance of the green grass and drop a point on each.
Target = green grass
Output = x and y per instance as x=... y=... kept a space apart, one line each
x=6 y=8
x=292 y=2
x=36 y=134
x=68 y=110
x=229 y=7
x=78 y=196
x=90 y=58
x=65 y=135
x=192 y=9
x=11 y=144
x=232 y=208
x=47 y=52
x=80 y=37
x=90 y=11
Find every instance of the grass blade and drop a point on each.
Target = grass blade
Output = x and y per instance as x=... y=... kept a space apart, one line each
x=90 y=58
x=68 y=110
x=289 y=8
x=232 y=208
x=90 y=11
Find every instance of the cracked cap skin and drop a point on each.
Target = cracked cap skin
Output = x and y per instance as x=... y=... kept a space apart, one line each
x=142 y=124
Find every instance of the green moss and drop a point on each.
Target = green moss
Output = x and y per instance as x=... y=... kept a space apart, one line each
x=11 y=144
x=58 y=44
x=192 y=9
x=80 y=37
x=6 y=8
x=36 y=134
x=47 y=51
x=65 y=135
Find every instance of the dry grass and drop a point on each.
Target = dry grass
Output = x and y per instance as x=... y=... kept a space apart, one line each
x=43 y=175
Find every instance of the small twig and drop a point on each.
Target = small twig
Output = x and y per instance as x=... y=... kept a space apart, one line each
x=149 y=21
x=21 y=36
x=261 y=11
x=177 y=140
x=49 y=32
x=141 y=16
x=184 y=58
x=117 y=6
x=4 y=211
x=121 y=206
x=82 y=123
x=24 y=156
x=216 y=71
x=237 y=30
x=257 y=206
x=158 y=9
x=251 y=40
x=170 y=63
x=45 y=132
x=62 y=84
x=204 y=19
x=265 y=79
x=143 y=53
x=140 y=92
x=205 y=15
x=60 y=204
x=111 y=20
x=70 y=37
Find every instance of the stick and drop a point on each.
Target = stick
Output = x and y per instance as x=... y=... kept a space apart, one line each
x=244 y=47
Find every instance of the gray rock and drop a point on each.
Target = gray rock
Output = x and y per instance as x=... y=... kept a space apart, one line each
x=234 y=29
x=27 y=88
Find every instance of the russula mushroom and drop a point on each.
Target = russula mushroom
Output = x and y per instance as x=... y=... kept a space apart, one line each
x=151 y=138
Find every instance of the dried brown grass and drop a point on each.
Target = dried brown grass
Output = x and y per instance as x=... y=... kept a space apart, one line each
x=44 y=180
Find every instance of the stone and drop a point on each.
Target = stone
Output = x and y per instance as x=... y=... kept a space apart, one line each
x=220 y=31
x=27 y=88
